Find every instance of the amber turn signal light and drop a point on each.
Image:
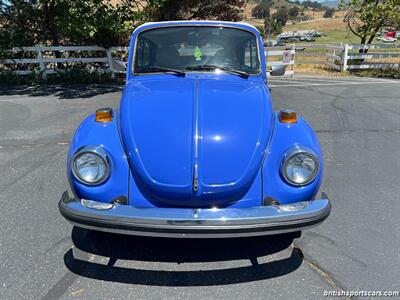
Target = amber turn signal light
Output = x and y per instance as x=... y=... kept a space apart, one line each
x=287 y=116
x=104 y=115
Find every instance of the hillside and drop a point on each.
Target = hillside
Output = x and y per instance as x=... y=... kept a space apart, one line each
x=330 y=3
x=335 y=29
x=253 y=3
x=275 y=3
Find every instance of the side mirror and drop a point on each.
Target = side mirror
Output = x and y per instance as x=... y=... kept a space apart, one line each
x=119 y=65
x=278 y=70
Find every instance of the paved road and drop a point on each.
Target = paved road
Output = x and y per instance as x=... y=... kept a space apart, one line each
x=357 y=248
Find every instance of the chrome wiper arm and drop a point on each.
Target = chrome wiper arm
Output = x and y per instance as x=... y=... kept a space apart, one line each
x=214 y=67
x=163 y=70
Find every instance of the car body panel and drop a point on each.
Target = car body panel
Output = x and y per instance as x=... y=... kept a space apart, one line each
x=286 y=136
x=186 y=147
x=157 y=130
x=252 y=197
x=107 y=136
x=221 y=125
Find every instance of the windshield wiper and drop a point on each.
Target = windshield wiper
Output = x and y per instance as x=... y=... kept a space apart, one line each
x=163 y=70
x=213 y=67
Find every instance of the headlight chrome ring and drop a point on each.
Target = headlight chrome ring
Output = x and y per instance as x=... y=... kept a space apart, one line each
x=303 y=165
x=90 y=165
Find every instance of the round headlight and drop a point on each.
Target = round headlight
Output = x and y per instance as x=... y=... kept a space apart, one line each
x=90 y=165
x=300 y=166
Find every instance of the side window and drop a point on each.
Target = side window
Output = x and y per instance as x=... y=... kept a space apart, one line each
x=250 y=54
x=144 y=53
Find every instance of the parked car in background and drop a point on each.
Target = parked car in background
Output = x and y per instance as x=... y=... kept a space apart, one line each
x=391 y=34
x=388 y=37
x=294 y=39
x=307 y=38
x=195 y=148
x=279 y=43
x=389 y=40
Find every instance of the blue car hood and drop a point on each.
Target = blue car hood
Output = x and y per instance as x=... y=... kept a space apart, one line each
x=195 y=141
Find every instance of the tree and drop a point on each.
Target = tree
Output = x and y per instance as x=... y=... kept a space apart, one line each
x=100 y=22
x=63 y=22
x=329 y=13
x=261 y=11
x=225 y=10
x=293 y=12
x=365 y=18
x=18 y=21
x=281 y=16
x=312 y=4
x=271 y=25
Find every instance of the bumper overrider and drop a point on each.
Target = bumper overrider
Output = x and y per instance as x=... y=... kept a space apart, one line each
x=191 y=222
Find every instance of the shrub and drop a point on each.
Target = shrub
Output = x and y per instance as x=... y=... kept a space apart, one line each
x=67 y=76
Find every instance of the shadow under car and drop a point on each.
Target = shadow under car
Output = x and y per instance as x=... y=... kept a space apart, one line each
x=145 y=249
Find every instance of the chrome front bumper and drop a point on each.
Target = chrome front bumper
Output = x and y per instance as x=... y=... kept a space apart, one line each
x=197 y=223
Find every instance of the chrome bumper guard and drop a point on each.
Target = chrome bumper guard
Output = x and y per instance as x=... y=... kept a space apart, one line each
x=192 y=222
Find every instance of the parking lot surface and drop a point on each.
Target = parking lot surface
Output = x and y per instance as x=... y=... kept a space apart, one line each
x=356 y=248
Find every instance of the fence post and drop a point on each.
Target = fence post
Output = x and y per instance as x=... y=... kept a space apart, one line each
x=333 y=59
x=42 y=66
x=345 y=54
x=110 y=63
x=293 y=57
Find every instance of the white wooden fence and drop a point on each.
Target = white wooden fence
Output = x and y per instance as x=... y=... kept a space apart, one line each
x=330 y=56
x=281 y=57
x=46 y=59
x=382 y=56
x=338 y=57
x=342 y=57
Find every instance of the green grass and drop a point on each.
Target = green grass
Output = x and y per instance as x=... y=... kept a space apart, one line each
x=337 y=37
x=335 y=31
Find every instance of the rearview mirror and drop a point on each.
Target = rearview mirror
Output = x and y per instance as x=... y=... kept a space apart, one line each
x=278 y=70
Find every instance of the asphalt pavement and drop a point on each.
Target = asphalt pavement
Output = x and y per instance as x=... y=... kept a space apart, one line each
x=356 y=248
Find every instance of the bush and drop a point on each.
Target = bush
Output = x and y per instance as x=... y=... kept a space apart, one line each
x=68 y=76
x=78 y=76
x=329 y=13
x=11 y=78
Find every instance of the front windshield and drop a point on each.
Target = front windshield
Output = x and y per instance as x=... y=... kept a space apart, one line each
x=190 y=47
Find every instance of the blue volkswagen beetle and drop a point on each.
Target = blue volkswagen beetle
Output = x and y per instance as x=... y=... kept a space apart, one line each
x=195 y=149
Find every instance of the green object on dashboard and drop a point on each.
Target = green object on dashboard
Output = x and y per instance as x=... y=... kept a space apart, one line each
x=197 y=53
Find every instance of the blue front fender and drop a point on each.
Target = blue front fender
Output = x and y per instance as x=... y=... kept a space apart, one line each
x=107 y=136
x=284 y=137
